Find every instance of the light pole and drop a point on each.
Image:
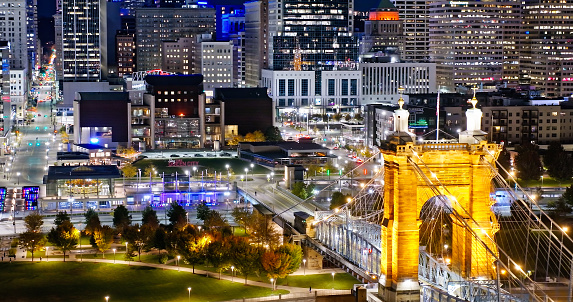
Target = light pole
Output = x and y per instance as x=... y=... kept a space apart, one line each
x=106 y=298
x=246 y=177
x=304 y=265
x=272 y=284
x=189 y=290
x=18 y=174
x=178 y=257
x=332 y=276
x=232 y=273
x=47 y=255
x=113 y=256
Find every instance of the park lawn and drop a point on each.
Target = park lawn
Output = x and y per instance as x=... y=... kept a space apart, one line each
x=547 y=182
x=318 y=281
x=73 y=281
x=321 y=281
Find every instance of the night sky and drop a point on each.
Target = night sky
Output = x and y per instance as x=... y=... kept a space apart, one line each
x=47 y=8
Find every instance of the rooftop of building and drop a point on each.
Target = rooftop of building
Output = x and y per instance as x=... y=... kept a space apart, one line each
x=83 y=172
x=240 y=93
x=174 y=80
x=102 y=96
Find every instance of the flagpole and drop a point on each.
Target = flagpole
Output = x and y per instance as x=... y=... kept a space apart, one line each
x=438 y=117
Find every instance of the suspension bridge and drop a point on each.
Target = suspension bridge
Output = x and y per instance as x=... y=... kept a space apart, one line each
x=423 y=228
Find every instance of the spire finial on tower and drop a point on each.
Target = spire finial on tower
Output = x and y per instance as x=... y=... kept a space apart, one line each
x=474 y=100
x=401 y=100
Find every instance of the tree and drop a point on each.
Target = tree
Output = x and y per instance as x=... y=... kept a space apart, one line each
x=160 y=239
x=103 y=238
x=92 y=221
x=313 y=170
x=246 y=257
x=275 y=264
x=295 y=253
x=241 y=215
x=567 y=196
x=129 y=170
x=553 y=151
x=149 y=171
x=31 y=241
x=64 y=236
x=528 y=162
x=338 y=199
x=263 y=231
x=259 y=136
x=149 y=217
x=218 y=254
x=34 y=222
x=121 y=217
x=203 y=211
x=61 y=217
x=140 y=238
x=337 y=117
x=215 y=220
x=347 y=117
x=273 y=134
x=177 y=215
x=558 y=162
x=504 y=160
x=191 y=245
x=299 y=189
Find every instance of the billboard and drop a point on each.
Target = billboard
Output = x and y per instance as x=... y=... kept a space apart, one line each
x=30 y=195
x=3 y=191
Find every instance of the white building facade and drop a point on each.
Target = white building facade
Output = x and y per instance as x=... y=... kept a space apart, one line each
x=381 y=81
x=217 y=66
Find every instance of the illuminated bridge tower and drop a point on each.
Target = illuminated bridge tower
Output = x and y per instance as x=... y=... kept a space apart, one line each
x=416 y=172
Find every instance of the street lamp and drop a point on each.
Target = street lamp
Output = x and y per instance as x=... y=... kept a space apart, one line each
x=246 y=177
x=232 y=273
x=332 y=276
x=47 y=255
x=18 y=174
x=189 y=290
x=272 y=284
x=304 y=265
x=113 y=255
x=178 y=257
x=106 y=298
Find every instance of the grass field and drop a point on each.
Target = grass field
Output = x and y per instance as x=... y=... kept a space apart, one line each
x=58 y=281
x=547 y=182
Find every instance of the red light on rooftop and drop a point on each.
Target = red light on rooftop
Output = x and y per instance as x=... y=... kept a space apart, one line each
x=383 y=16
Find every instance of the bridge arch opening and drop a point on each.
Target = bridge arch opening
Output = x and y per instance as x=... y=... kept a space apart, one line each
x=435 y=231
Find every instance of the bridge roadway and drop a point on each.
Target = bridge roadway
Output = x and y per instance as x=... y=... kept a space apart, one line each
x=283 y=205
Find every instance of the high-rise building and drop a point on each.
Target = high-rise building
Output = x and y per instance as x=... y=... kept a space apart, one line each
x=256 y=41
x=155 y=25
x=34 y=45
x=82 y=41
x=474 y=42
x=415 y=15
x=216 y=65
x=383 y=36
x=13 y=28
x=4 y=91
x=312 y=34
x=58 y=61
x=125 y=53
x=177 y=56
x=548 y=46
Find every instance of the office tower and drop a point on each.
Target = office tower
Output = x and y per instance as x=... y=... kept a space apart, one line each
x=58 y=61
x=256 y=41
x=383 y=36
x=13 y=28
x=415 y=15
x=230 y=20
x=216 y=65
x=82 y=41
x=33 y=43
x=300 y=42
x=155 y=25
x=125 y=53
x=177 y=56
x=475 y=43
x=4 y=90
x=548 y=46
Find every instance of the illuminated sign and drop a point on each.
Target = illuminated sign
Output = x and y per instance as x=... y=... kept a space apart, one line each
x=2 y=199
x=30 y=195
x=181 y=163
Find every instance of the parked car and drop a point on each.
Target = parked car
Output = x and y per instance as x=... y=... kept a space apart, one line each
x=174 y=155
x=198 y=155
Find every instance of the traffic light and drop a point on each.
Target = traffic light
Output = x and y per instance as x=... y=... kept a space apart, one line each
x=328 y=172
x=339 y=172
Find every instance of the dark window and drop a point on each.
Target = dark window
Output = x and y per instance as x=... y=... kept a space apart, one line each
x=344 y=86
x=304 y=87
x=291 y=87
x=353 y=87
x=282 y=88
x=330 y=86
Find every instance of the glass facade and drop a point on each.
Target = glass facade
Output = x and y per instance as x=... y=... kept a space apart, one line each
x=317 y=32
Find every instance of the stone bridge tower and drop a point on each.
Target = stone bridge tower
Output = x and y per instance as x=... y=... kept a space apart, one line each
x=458 y=166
